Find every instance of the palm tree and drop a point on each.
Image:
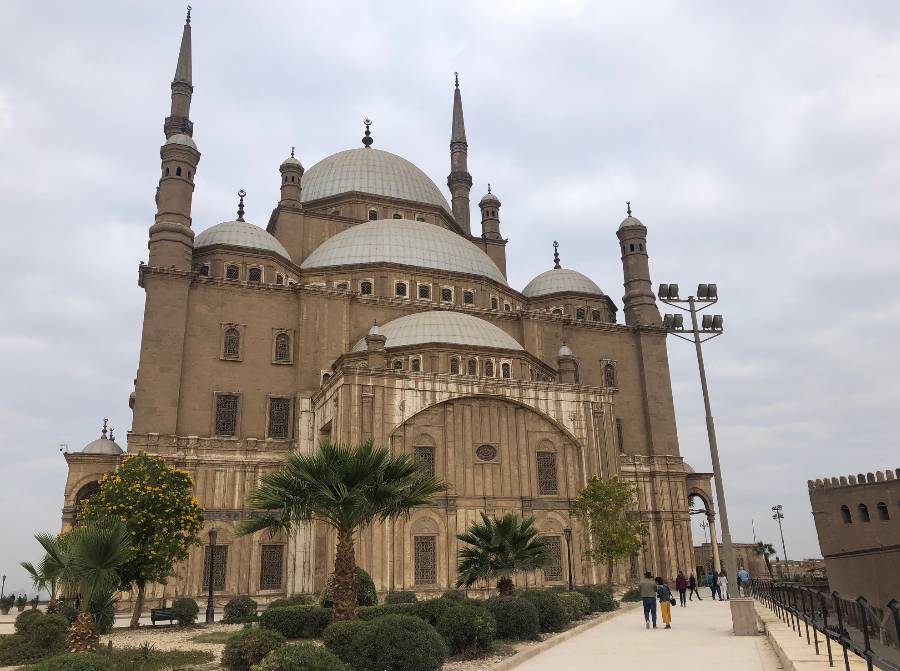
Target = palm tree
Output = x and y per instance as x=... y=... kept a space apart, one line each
x=44 y=577
x=764 y=550
x=347 y=488
x=498 y=548
x=88 y=558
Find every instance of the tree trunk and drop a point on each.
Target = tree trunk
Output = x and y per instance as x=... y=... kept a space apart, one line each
x=82 y=635
x=768 y=565
x=343 y=593
x=505 y=585
x=609 y=572
x=138 y=605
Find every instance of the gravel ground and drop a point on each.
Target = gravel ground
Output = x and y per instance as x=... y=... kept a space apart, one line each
x=168 y=638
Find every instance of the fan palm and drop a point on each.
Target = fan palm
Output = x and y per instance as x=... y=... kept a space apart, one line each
x=346 y=488
x=44 y=576
x=498 y=548
x=764 y=550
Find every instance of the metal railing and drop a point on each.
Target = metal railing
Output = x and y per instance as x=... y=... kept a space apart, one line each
x=826 y=619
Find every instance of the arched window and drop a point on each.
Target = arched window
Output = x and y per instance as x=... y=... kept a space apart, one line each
x=325 y=377
x=232 y=273
x=447 y=295
x=397 y=215
x=864 y=512
x=254 y=274
x=425 y=291
x=400 y=289
x=580 y=314
x=493 y=302
x=556 y=311
x=416 y=365
x=342 y=286
x=845 y=515
x=85 y=492
x=178 y=171
x=631 y=247
x=471 y=367
x=609 y=375
x=189 y=174
x=167 y=172
x=489 y=368
x=504 y=370
x=204 y=270
x=454 y=366
x=420 y=218
x=398 y=364
x=279 y=279
x=468 y=298
x=507 y=307
x=883 y=513
x=641 y=247
x=373 y=215
x=282 y=347
x=596 y=316
x=232 y=346
x=365 y=288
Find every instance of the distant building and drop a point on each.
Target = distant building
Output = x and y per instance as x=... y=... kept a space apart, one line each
x=798 y=568
x=743 y=556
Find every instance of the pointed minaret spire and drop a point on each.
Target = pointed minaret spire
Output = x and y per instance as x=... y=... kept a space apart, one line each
x=459 y=180
x=182 y=87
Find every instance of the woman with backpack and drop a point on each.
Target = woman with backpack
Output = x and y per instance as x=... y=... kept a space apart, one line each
x=665 y=601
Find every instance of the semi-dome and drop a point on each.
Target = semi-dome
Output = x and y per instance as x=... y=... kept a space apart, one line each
x=559 y=280
x=373 y=171
x=240 y=234
x=409 y=243
x=452 y=328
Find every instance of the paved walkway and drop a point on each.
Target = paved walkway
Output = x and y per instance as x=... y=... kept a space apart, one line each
x=700 y=638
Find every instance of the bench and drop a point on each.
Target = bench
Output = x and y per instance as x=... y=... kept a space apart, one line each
x=160 y=615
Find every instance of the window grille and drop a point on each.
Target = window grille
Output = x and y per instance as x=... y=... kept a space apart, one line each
x=425 y=456
x=447 y=295
x=279 y=417
x=454 y=366
x=609 y=375
x=219 y=563
x=493 y=303
x=204 y=270
x=271 y=571
x=226 y=414
x=596 y=316
x=489 y=369
x=425 y=560
x=546 y=473
x=580 y=314
x=232 y=273
x=400 y=289
x=424 y=291
x=373 y=215
x=254 y=275
x=398 y=364
x=282 y=347
x=504 y=370
x=232 y=345
x=468 y=298
x=553 y=571
x=365 y=288
x=471 y=367
x=416 y=365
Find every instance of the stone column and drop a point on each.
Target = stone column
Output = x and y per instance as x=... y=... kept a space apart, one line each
x=711 y=518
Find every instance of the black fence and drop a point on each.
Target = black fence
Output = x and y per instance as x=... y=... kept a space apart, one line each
x=830 y=620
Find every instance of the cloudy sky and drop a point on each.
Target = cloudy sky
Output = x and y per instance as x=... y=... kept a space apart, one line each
x=760 y=146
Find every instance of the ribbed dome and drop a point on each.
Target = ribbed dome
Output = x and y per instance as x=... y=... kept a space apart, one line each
x=240 y=234
x=453 y=328
x=102 y=445
x=370 y=171
x=409 y=243
x=558 y=280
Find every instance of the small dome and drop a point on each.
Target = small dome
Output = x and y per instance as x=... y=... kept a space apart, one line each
x=688 y=468
x=409 y=243
x=565 y=350
x=631 y=222
x=181 y=138
x=435 y=326
x=375 y=330
x=373 y=171
x=559 y=280
x=102 y=446
x=488 y=199
x=290 y=160
x=240 y=234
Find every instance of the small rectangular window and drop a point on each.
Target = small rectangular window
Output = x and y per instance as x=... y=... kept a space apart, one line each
x=232 y=273
x=271 y=567
x=279 y=417
x=447 y=295
x=416 y=365
x=365 y=288
x=425 y=560
x=254 y=274
x=493 y=302
x=620 y=434
x=219 y=565
x=204 y=270
x=400 y=289
x=553 y=572
x=226 y=414
x=546 y=473
x=468 y=298
x=425 y=291
x=373 y=215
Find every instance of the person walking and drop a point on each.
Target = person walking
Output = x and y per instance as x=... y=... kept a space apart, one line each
x=743 y=577
x=712 y=581
x=647 y=590
x=692 y=586
x=665 y=601
x=723 y=586
x=681 y=585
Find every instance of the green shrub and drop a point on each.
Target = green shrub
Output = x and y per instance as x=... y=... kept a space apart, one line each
x=301 y=657
x=552 y=613
x=37 y=636
x=455 y=594
x=576 y=605
x=516 y=618
x=634 y=594
x=397 y=643
x=601 y=598
x=400 y=597
x=295 y=600
x=67 y=609
x=338 y=637
x=240 y=609
x=365 y=590
x=248 y=647
x=432 y=609
x=296 y=621
x=371 y=612
x=24 y=617
x=185 y=611
x=467 y=629
x=75 y=661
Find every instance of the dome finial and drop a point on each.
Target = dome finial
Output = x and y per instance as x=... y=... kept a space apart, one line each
x=188 y=20
x=367 y=140
x=556 y=265
x=111 y=436
x=628 y=206
x=241 y=194
x=456 y=79
x=292 y=151
x=489 y=187
x=103 y=432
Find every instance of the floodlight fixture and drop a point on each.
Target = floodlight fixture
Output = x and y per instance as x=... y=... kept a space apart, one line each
x=663 y=292
x=702 y=291
x=717 y=322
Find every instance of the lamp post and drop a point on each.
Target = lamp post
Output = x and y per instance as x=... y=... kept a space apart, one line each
x=778 y=515
x=704 y=525
x=210 y=606
x=568 y=534
x=707 y=295
x=2 y=587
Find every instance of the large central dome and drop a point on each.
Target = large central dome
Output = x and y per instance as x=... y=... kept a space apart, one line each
x=408 y=243
x=373 y=171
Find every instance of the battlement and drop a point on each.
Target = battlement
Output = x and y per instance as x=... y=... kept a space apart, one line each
x=853 y=480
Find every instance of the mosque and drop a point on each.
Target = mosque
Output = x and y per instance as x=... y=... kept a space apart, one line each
x=366 y=308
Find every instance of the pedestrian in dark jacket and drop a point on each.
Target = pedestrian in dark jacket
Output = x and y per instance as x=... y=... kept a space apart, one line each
x=692 y=587
x=648 y=591
x=681 y=585
x=712 y=581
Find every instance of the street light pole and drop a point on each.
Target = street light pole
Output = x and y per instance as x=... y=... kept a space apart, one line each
x=568 y=534
x=779 y=515
x=210 y=605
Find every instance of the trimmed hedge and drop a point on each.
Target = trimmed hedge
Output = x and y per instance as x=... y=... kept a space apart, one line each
x=75 y=661
x=577 y=605
x=185 y=611
x=248 y=647
x=455 y=594
x=516 y=618
x=338 y=637
x=371 y=612
x=296 y=621
x=400 y=597
x=397 y=643
x=634 y=594
x=240 y=609
x=23 y=618
x=432 y=609
x=554 y=616
x=601 y=598
x=37 y=636
x=301 y=657
x=294 y=600
x=467 y=628
x=365 y=590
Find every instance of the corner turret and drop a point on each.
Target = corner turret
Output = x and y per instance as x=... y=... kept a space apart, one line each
x=291 y=173
x=490 y=215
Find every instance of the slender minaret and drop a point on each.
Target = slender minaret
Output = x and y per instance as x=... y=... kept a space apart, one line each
x=639 y=301
x=291 y=173
x=171 y=237
x=459 y=181
x=490 y=215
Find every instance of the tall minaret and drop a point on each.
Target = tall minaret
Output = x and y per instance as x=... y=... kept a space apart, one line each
x=639 y=301
x=171 y=237
x=459 y=181
x=490 y=215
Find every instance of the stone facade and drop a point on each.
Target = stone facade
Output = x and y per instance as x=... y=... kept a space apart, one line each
x=250 y=350
x=743 y=556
